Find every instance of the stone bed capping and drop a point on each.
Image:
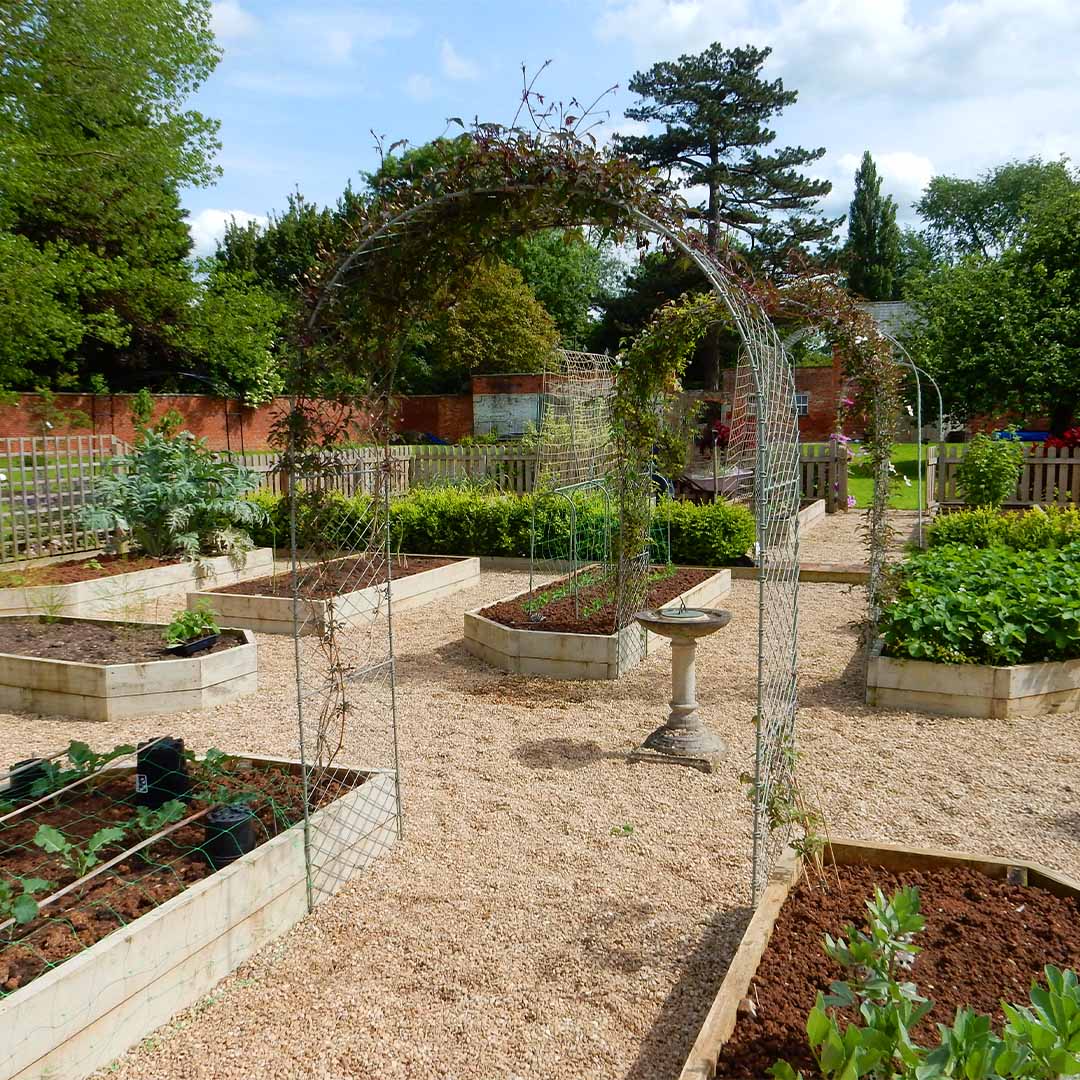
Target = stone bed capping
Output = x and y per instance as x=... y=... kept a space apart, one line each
x=274 y=614
x=723 y=1015
x=33 y=684
x=972 y=689
x=118 y=594
x=563 y=655
x=79 y=1016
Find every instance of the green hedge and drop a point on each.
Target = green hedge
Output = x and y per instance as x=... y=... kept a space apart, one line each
x=452 y=521
x=1030 y=531
x=958 y=605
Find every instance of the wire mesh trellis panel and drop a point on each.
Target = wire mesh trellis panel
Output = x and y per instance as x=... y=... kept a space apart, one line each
x=342 y=569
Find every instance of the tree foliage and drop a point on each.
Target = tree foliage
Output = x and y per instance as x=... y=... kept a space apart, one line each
x=873 y=245
x=715 y=109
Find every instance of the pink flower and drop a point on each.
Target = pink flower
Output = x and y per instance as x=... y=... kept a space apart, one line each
x=852 y=502
x=847 y=401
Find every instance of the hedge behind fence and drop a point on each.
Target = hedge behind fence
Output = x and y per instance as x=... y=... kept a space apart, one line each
x=452 y=521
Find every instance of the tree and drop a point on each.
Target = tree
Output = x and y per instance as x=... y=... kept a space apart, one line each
x=94 y=146
x=569 y=275
x=872 y=253
x=1004 y=334
x=489 y=322
x=986 y=215
x=715 y=109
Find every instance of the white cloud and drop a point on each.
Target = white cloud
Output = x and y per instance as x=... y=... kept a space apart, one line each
x=231 y=22
x=420 y=87
x=456 y=66
x=208 y=227
x=336 y=35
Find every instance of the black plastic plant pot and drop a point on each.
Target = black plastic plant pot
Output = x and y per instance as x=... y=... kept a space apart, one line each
x=161 y=773
x=190 y=648
x=230 y=833
x=24 y=774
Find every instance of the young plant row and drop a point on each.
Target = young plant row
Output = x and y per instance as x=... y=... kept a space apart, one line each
x=1039 y=1041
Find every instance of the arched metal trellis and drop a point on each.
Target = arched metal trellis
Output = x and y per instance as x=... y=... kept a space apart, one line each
x=347 y=673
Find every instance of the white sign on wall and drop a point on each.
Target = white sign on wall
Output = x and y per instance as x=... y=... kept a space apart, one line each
x=508 y=414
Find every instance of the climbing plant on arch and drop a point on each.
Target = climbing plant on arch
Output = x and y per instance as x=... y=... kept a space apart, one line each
x=416 y=238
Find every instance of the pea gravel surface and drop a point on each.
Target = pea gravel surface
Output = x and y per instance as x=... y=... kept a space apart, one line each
x=553 y=913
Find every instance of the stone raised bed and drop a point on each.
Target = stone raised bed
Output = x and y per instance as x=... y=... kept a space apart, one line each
x=561 y=655
x=120 y=594
x=724 y=1014
x=972 y=689
x=274 y=614
x=110 y=691
x=82 y=1014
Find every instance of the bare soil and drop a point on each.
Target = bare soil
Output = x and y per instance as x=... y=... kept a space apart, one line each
x=593 y=610
x=133 y=887
x=99 y=566
x=87 y=641
x=984 y=941
x=322 y=581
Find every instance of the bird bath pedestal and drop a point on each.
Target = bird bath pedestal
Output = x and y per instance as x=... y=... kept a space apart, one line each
x=684 y=739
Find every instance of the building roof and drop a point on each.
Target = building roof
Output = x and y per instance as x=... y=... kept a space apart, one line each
x=893 y=317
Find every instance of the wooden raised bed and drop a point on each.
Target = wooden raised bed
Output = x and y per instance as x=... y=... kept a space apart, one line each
x=49 y=687
x=119 y=594
x=274 y=614
x=723 y=1015
x=972 y=689
x=82 y=1014
x=564 y=655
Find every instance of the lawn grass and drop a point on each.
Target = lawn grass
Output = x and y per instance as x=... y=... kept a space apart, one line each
x=905 y=458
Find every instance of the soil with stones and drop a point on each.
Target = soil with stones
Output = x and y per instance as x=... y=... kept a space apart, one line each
x=551 y=609
x=91 y=642
x=142 y=881
x=322 y=581
x=984 y=941
x=101 y=566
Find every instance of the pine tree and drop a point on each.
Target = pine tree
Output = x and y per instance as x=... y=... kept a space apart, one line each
x=873 y=246
x=715 y=109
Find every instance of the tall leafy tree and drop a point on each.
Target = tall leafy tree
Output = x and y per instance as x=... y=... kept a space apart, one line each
x=95 y=144
x=714 y=110
x=1003 y=334
x=985 y=216
x=873 y=246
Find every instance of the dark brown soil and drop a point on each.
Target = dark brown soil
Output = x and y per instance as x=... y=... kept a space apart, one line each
x=135 y=886
x=984 y=941
x=325 y=580
x=100 y=566
x=89 y=642
x=595 y=602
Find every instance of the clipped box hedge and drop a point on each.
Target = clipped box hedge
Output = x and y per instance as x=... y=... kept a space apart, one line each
x=454 y=521
x=1033 y=530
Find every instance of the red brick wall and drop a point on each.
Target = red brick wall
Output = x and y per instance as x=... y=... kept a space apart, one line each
x=507 y=384
x=823 y=385
x=223 y=424
x=449 y=416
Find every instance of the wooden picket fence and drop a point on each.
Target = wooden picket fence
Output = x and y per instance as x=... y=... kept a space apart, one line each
x=352 y=472
x=504 y=467
x=823 y=469
x=1049 y=476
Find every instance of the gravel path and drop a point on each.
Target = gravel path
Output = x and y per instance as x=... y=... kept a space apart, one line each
x=837 y=539
x=518 y=930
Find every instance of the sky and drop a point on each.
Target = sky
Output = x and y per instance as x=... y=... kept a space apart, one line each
x=928 y=88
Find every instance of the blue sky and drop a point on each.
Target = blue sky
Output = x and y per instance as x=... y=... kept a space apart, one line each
x=927 y=87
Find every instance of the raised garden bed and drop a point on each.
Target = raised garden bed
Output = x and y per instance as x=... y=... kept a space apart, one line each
x=266 y=604
x=991 y=926
x=972 y=689
x=117 y=585
x=160 y=927
x=565 y=645
x=99 y=669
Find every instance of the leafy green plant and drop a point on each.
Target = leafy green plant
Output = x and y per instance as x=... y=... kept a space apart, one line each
x=175 y=496
x=82 y=761
x=80 y=859
x=93 y=564
x=152 y=821
x=191 y=625
x=1033 y=530
x=962 y=605
x=17 y=898
x=1040 y=1043
x=989 y=469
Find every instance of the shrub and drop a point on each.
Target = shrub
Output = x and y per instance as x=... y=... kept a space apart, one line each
x=1031 y=531
x=994 y=605
x=989 y=469
x=173 y=495
x=454 y=521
